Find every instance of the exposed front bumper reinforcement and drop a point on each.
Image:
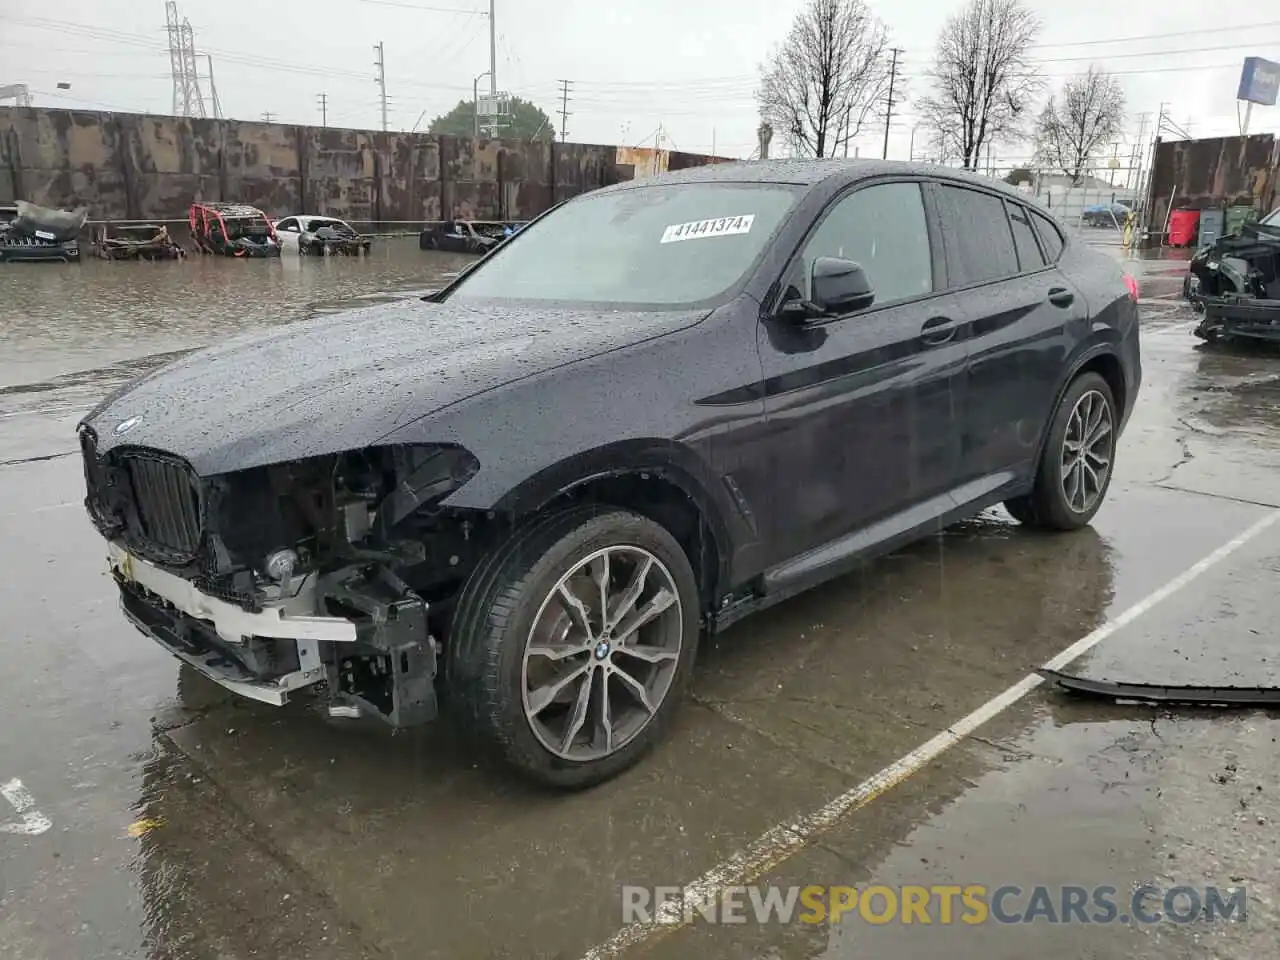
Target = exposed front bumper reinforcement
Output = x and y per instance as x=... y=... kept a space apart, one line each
x=1197 y=696
x=200 y=630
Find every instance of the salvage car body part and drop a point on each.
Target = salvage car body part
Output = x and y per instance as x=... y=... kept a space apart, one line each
x=687 y=380
x=1193 y=695
x=1235 y=283
x=232 y=230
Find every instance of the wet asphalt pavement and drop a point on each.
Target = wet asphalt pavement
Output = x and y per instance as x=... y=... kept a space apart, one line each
x=184 y=824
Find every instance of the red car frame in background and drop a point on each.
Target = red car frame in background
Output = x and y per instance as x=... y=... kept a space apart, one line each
x=233 y=230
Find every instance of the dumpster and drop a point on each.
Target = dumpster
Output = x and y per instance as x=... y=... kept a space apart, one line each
x=1237 y=217
x=1182 y=227
x=1211 y=225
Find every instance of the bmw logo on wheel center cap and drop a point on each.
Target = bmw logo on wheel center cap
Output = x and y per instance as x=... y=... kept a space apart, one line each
x=124 y=426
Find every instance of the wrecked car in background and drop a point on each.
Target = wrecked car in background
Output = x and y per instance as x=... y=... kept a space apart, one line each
x=137 y=241
x=29 y=232
x=320 y=236
x=232 y=230
x=672 y=404
x=1235 y=283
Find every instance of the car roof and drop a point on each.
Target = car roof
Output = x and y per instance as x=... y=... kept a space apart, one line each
x=811 y=173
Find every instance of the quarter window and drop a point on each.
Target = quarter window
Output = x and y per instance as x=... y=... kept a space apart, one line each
x=882 y=228
x=978 y=240
x=289 y=226
x=1050 y=236
x=1024 y=238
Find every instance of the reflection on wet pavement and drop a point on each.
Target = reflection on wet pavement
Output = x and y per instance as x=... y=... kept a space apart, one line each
x=190 y=825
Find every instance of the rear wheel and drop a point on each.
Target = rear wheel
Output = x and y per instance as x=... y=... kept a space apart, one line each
x=573 y=642
x=1075 y=466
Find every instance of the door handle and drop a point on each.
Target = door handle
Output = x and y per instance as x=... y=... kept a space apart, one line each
x=1061 y=297
x=938 y=330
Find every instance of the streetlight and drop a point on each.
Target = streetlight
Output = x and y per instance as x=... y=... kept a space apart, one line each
x=475 y=101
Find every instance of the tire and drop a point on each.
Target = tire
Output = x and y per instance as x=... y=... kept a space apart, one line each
x=510 y=594
x=1048 y=506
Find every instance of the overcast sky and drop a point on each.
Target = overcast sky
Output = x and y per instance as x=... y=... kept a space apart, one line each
x=687 y=65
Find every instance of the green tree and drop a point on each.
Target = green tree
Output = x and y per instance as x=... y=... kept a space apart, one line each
x=527 y=122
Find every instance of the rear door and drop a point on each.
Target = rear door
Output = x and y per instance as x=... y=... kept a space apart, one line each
x=863 y=407
x=1020 y=309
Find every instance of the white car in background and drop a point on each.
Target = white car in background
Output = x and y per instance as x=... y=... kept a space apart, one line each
x=319 y=236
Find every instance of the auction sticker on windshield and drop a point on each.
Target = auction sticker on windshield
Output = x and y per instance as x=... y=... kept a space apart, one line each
x=718 y=227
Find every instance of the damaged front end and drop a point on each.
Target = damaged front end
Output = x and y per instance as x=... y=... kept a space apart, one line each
x=1235 y=284
x=290 y=576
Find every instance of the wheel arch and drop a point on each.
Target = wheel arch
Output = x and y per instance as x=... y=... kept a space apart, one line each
x=1101 y=357
x=658 y=479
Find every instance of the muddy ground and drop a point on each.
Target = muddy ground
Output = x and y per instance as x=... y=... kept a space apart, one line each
x=184 y=824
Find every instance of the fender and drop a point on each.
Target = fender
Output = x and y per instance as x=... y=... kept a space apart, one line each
x=672 y=462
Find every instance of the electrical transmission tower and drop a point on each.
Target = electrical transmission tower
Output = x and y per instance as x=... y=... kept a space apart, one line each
x=187 y=101
x=564 y=109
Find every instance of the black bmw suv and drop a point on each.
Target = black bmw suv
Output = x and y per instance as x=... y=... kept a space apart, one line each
x=661 y=407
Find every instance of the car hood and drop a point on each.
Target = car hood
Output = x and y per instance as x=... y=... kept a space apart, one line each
x=347 y=380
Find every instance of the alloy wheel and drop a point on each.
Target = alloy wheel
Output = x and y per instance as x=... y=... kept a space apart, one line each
x=1086 y=451
x=602 y=653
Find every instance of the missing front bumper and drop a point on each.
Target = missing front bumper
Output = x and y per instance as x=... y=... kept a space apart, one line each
x=378 y=661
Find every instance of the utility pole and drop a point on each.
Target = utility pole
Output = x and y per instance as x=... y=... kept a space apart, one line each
x=268 y=117
x=213 y=90
x=564 y=109
x=493 y=53
x=381 y=80
x=324 y=109
x=888 y=113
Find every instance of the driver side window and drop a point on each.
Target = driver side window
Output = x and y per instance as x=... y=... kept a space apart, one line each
x=883 y=228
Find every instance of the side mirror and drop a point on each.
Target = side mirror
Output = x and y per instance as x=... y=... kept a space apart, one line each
x=840 y=286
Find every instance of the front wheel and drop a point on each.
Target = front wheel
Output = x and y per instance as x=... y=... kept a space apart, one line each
x=1075 y=466
x=573 y=643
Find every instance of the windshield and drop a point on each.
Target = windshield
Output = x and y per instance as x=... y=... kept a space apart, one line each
x=1272 y=219
x=659 y=245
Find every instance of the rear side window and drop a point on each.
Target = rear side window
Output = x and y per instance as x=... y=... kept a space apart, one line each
x=977 y=236
x=1024 y=238
x=1050 y=236
x=883 y=228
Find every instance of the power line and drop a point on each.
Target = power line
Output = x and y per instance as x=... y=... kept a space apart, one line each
x=1160 y=36
x=324 y=109
x=421 y=7
x=564 y=109
x=268 y=117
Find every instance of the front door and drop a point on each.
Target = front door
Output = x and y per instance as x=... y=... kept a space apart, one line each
x=863 y=408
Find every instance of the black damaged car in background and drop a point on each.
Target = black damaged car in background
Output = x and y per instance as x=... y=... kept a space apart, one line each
x=660 y=407
x=1234 y=283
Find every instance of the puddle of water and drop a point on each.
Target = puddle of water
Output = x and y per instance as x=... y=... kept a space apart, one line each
x=57 y=319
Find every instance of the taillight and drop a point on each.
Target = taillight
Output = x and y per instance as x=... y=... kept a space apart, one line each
x=1132 y=284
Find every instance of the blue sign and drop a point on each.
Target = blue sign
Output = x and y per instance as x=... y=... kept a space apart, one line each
x=1259 y=81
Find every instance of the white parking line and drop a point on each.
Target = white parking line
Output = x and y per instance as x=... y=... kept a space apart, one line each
x=33 y=822
x=787 y=839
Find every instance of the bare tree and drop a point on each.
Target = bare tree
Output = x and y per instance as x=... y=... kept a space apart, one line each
x=1088 y=116
x=984 y=82
x=818 y=88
